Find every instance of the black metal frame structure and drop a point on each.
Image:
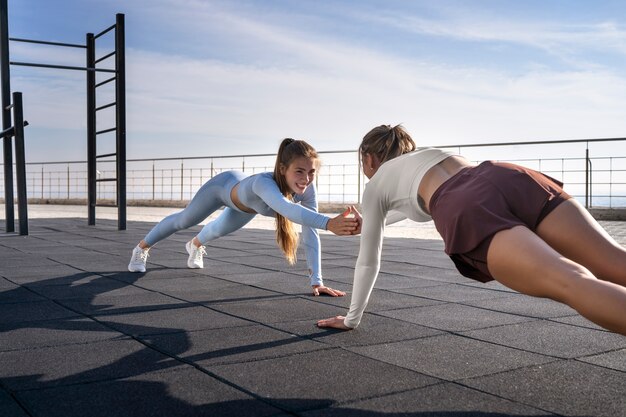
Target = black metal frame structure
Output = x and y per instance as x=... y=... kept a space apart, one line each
x=17 y=132
x=118 y=76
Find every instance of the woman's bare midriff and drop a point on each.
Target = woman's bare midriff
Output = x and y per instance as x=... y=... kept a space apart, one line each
x=235 y=199
x=439 y=174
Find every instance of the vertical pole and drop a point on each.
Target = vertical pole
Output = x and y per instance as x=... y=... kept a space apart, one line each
x=5 y=81
x=587 y=178
x=120 y=116
x=153 y=185
x=358 y=178
x=20 y=162
x=91 y=130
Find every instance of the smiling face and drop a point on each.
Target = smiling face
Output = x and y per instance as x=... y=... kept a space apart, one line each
x=299 y=174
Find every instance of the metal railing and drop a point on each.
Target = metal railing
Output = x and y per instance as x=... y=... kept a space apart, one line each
x=596 y=181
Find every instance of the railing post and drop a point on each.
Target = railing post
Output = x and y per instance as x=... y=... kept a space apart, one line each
x=587 y=178
x=153 y=181
x=358 y=178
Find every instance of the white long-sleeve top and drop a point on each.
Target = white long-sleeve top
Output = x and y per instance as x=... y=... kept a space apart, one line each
x=393 y=187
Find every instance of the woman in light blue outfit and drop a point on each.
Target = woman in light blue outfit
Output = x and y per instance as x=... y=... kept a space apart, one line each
x=288 y=194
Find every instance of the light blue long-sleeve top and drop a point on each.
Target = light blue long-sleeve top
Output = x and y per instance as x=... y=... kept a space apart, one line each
x=261 y=193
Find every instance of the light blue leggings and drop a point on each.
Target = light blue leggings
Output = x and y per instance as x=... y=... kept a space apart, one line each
x=213 y=195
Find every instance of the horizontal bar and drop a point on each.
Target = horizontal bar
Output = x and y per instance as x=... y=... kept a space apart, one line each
x=106 y=106
x=106 y=130
x=9 y=107
x=105 y=155
x=106 y=179
x=187 y=158
x=106 y=205
x=10 y=131
x=70 y=45
x=29 y=64
x=546 y=142
x=104 y=31
x=105 y=81
x=105 y=57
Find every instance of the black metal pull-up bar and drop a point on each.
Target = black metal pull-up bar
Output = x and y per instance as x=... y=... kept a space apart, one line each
x=17 y=132
x=120 y=111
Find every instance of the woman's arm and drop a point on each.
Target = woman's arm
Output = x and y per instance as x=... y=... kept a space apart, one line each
x=367 y=264
x=267 y=189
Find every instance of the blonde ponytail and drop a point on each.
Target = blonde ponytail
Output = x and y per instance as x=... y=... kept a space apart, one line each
x=286 y=235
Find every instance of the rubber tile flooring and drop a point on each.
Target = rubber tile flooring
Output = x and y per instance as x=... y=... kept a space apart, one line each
x=82 y=336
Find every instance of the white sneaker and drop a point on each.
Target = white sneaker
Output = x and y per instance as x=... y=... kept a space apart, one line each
x=195 y=260
x=138 y=260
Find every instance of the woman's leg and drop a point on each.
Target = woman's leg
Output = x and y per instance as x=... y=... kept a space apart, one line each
x=521 y=260
x=575 y=234
x=207 y=200
x=227 y=222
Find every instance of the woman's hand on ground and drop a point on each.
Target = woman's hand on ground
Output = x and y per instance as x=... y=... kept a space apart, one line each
x=334 y=323
x=343 y=224
x=320 y=289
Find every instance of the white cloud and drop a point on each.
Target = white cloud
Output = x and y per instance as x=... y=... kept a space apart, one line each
x=331 y=92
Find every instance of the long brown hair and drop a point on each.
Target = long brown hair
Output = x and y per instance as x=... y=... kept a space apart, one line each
x=387 y=142
x=286 y=234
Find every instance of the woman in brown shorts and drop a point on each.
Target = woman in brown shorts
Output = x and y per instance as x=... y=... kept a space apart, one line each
x=498 y=221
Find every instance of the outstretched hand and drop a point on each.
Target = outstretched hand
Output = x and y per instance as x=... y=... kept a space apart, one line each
x=333 y=323
x=358 y=218
x=344 y=223
x=320 y=289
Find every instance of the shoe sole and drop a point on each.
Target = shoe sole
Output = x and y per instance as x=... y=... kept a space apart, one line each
x=136 y=270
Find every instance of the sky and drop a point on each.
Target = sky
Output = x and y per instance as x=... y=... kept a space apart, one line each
x=209 y=78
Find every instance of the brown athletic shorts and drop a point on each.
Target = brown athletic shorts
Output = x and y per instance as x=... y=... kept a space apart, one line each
x=476 y=203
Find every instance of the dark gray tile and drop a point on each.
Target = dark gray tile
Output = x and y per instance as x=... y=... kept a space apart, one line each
x=554 y=339
x=9 y=407
x=170 y=320
x=451 y=357
x=37 y=334
x=10 y=293
x=281 y=310
x=564 y=387
x=437 y=400
x=232 y=345
x=454 y=317
x=112 y=303
x=373 y=330
x=80 y=363
x=524 y=305
x=93 y=289
x=185 y=392
x=55 y=275
x=32 y=311
x=321 y=377
x=455 y=293
x=614 y=360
